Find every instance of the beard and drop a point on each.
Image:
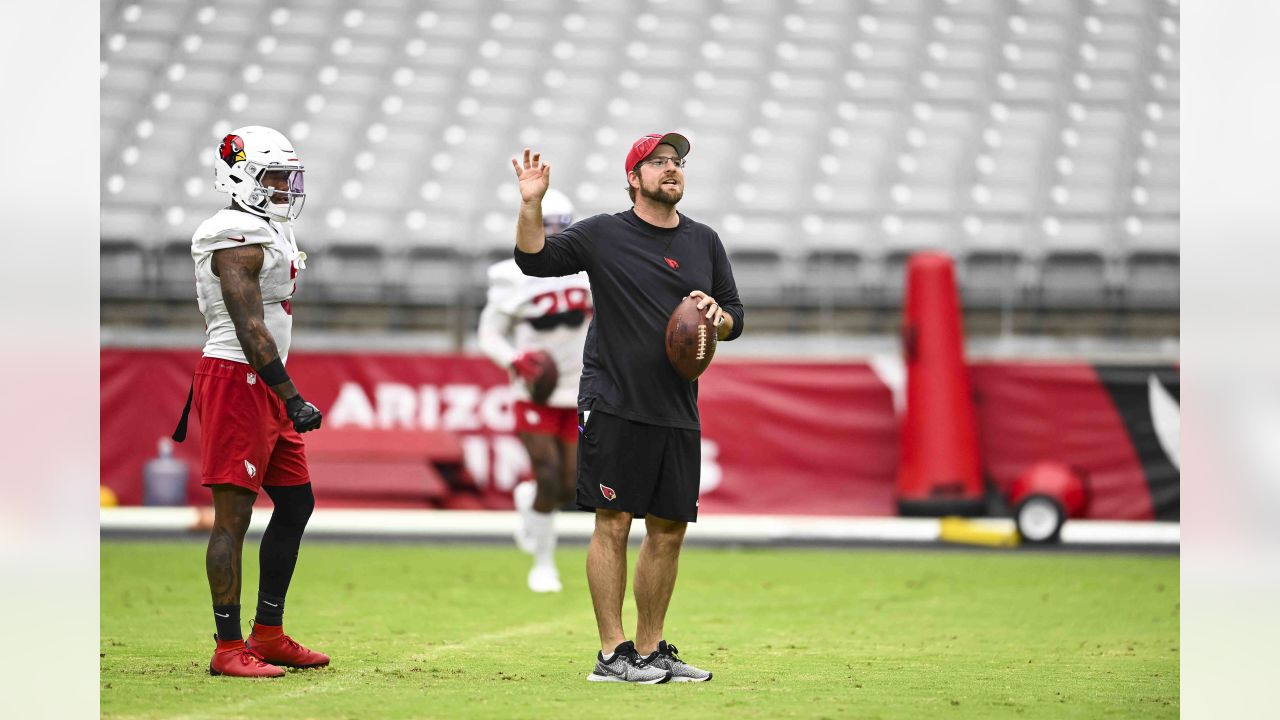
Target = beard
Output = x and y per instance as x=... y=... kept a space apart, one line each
x=660 y=194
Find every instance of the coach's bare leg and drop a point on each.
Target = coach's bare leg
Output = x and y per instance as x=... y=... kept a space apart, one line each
x=232 y=509
x=656 y=567
x=607 y=574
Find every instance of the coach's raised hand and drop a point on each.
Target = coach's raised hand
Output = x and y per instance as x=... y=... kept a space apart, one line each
x=534 y=177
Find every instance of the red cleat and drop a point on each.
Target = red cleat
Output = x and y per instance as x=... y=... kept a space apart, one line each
x=234 y=659
x=274 y=646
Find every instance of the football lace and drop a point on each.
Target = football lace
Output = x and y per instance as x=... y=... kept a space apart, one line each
x=702 y=341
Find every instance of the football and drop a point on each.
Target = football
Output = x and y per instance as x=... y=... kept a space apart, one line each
x=541 y=387
x=691 y=340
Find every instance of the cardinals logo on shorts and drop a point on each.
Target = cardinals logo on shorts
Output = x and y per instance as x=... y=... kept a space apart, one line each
x=608 y=493
x=231 y=149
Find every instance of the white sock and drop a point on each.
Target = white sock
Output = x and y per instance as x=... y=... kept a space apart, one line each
x=606 y=658
x=543 y=531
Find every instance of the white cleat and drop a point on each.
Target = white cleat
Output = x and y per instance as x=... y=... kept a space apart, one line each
x=523 y=494
x=544 y=579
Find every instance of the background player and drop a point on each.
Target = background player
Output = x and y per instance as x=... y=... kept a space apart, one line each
x=639 y=453
x=525 y=316
x=250 y=413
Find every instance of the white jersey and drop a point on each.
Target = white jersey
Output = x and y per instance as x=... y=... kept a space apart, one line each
x=550 y=314
x=280 y=265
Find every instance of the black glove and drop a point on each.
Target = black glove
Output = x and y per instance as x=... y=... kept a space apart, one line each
x=304 y=415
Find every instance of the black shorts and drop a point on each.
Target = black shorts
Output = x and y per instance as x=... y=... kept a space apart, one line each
x=638 y=468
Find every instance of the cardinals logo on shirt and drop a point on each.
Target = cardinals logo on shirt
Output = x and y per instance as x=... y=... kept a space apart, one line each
x=608 y=493
x=674 y=264
x=231 y=149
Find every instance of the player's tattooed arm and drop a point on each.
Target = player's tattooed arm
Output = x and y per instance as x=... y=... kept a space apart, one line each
x=237 y=269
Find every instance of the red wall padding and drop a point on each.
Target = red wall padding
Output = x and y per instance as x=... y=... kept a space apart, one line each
x=778 y=437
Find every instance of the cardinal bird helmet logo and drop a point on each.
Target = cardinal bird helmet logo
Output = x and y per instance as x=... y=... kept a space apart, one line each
x=231 y=149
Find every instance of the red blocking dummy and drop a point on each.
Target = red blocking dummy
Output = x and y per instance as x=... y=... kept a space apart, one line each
x=938 y=470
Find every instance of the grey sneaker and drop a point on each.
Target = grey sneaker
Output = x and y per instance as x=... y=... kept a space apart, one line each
x=627 y=666
x=665 y=658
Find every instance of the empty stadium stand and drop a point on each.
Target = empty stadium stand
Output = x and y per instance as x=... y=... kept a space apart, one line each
x=1035 y=140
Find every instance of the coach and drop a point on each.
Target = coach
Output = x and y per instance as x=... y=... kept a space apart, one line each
x=640 y=448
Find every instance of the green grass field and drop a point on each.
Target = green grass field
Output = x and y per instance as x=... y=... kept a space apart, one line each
x=448 y=632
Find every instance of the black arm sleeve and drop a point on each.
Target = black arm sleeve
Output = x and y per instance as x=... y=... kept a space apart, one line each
x=725 y=290
x=565 y=253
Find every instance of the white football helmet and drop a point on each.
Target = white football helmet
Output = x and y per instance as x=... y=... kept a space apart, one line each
x=557 y=211
x=244 y=155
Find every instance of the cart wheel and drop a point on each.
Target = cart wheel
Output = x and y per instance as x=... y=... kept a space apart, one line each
x=1039 y=519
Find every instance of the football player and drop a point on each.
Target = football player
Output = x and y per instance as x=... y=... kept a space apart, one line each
x=251 y=413
x=535 y=328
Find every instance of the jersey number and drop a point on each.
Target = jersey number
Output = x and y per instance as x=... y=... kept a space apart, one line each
x=561 y=301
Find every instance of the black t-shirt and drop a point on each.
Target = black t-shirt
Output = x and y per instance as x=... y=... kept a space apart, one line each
x=639 y=274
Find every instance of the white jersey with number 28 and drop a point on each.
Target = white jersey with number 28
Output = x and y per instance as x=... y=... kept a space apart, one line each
x=526 y=314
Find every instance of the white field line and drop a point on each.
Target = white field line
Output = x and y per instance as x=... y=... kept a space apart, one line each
x=463 y=524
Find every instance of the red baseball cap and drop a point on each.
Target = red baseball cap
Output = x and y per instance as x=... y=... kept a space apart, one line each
x=645 y=145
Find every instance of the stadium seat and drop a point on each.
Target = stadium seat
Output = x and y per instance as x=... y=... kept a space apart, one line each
x=976 y=22
x=1157 y=234
x=206 y=48
x=958 y=55
x=434 y=275
x=892 y=276
x=758 y=272
x=175 y=270
x=1165 y=86
x=379 y=21
x=349 y=273
x=135 y=224
x=145 y=51
x=1032 y=58
x=991 y=278
x=1126 y=9
x=833 y=275
x=923 y=233
x=1074 y=279
x=1116 y=31
x=126 y=80
x=1028 y=86
x=1089 y=189
x=1152 y=280
x=124 y=267
x=1045 y=30
x=1115 y=57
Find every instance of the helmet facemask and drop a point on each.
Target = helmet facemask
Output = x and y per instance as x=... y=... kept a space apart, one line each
x=279 y=204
